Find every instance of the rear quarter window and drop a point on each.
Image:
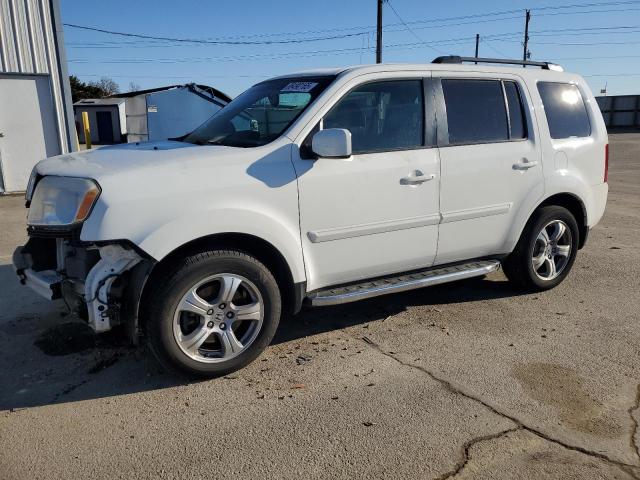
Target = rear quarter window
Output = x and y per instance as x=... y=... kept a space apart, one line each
x=476 y=111
x=565 y=110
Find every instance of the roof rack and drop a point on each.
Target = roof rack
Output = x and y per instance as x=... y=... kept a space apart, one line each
x=525 y=63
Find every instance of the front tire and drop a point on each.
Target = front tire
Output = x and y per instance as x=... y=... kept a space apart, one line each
x=546 y=250
x=212 y=313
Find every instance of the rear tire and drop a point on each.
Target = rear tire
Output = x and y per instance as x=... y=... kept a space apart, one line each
x=212 y=313
x=546 y=251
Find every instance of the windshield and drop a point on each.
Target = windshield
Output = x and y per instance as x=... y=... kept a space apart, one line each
x=261 y=114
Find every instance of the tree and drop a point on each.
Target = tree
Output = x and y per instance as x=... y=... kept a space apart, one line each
x=100 y=89
x=134 y=87
x=81 y=90
x=107 y=86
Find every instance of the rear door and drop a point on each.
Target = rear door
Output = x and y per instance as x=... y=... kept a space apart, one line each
x=490 y=162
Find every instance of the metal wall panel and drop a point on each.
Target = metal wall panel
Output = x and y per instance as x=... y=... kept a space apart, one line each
x=620 y=110
x=176 y=112
x=32 y=43
x=136 y=111
x=25 y=28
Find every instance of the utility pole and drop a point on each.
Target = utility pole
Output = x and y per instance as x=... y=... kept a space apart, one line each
x=379 y=34
x=526 y=53
x=477 y=44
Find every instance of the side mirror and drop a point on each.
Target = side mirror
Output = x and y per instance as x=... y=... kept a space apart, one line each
x=332 y=143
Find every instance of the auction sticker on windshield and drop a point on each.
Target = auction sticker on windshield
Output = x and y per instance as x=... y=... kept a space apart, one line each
x=299 y=87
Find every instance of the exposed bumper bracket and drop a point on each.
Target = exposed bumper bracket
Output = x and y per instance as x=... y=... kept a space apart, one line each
x=46 y=283
x=114 y=261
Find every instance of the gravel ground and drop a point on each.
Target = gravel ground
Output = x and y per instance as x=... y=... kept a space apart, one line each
x=467 y=380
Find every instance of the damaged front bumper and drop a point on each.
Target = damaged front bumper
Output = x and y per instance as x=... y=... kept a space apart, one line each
x=47 y=283
x=92 y=279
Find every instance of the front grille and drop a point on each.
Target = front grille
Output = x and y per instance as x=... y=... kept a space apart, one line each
x=67 y=233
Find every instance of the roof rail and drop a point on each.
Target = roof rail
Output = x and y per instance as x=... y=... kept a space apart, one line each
x=460 y=60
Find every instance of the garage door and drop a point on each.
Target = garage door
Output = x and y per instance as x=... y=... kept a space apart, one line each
x=27 y=128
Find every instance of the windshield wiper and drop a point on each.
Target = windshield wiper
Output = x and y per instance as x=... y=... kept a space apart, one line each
x=223 y=144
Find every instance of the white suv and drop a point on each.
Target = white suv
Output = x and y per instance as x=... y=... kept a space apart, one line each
x=320 y=187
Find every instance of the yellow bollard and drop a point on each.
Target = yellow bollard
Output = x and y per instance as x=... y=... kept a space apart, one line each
x=87 y=129
x=75 y=131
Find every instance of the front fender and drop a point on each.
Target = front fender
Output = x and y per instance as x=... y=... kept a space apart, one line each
x=160 y=210
x=180 y=231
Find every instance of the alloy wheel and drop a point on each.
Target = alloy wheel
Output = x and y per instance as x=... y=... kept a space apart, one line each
x=218 y=318
x=551 y=250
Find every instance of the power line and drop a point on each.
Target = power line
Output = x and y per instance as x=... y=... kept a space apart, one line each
x=366 y=29
x=593 y=4
x=587 y=44
x=212 y=42
x=601 y=57
x=536 y=9
x=491 y=47
x=575 y=44
x=395 y=12
x=133 y=75
x=446 y=41
x=609 y=10
x=505 y=37
x=612 y=75
x=157 y=44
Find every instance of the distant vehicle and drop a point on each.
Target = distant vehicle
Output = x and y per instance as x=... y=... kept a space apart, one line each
x=322 y=187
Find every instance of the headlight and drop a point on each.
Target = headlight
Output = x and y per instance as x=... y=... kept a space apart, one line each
x=62 y=201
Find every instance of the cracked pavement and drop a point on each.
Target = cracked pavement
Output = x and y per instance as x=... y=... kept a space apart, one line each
x=467 y=380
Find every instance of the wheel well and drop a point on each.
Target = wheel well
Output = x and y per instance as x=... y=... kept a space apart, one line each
x=577 y=209
x=255 y=246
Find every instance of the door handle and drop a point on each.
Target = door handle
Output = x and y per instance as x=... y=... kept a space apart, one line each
x=525 y=164
x=416 y=178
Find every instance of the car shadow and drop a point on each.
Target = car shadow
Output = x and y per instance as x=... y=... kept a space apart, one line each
x=48 y=356
x=276 y=170
x=314 y=321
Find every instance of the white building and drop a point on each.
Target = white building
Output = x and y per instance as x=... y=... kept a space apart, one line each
x=107 y=120
x=148 y=115
x=36 y=119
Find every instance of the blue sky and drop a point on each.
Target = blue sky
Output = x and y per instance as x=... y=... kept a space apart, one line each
x=598 y=39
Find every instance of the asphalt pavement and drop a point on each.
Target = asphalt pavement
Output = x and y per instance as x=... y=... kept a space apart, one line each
x=466 y=380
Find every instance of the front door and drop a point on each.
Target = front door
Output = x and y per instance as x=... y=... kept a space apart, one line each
x=377 y=212
x=105 y=127
x=490 y=162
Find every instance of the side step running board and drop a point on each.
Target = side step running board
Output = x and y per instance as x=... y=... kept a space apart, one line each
x=402 y=283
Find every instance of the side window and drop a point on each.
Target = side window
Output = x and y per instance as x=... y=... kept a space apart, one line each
x=476 y=111
x=387 y=115
x=565 y=110
x=517 y=122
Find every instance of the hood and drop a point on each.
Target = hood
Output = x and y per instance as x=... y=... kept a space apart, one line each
x=127 y=158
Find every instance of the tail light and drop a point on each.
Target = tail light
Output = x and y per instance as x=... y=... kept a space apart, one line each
x=606 y=163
